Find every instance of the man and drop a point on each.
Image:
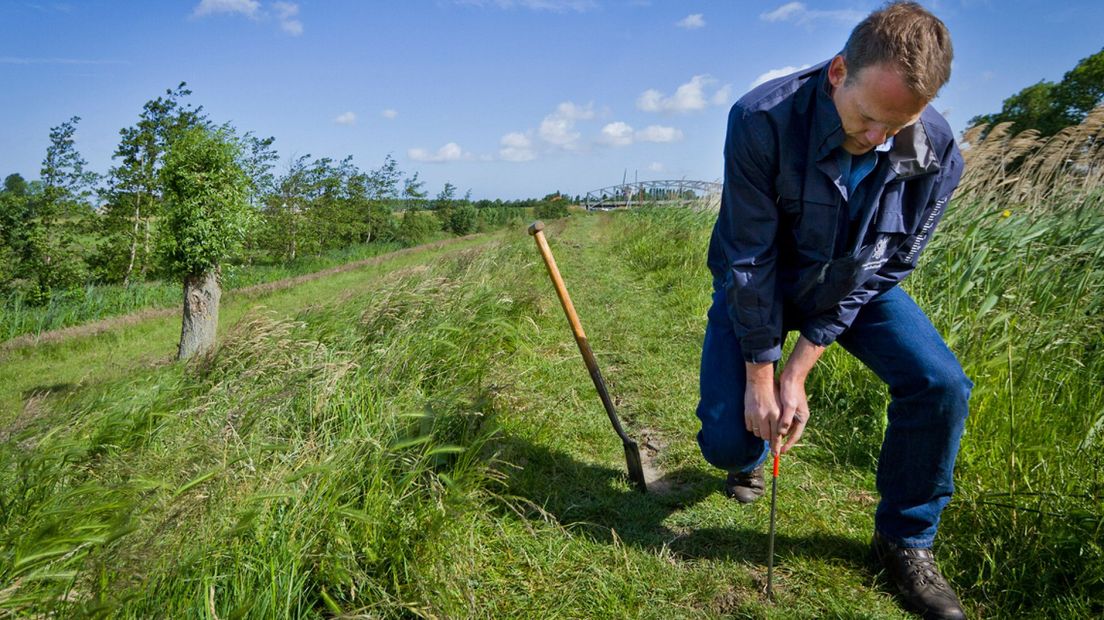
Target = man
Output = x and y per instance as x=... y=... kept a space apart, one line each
x=835 y=179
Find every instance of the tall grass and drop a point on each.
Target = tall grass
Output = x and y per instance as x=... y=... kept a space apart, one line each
x=308 y=467
x=99 y=301
x=1014 y=280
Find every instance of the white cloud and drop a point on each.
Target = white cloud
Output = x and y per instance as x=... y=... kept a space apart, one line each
x=287 y=13
x=784 y=12
x=348 y=118
x=575 y=111
x=389 y=113
x=249 y=8
x=558 y=128
x=555 y=6
x=691 y=22
x=655 y=166
x=689 y=97
x=448 y=152
x=617 y=134
x=658 y=133
x=723 y=95
x=799 y=13
x=776 y=73
x=516 y=146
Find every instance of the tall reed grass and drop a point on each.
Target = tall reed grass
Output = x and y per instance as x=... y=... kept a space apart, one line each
x=1014 y=280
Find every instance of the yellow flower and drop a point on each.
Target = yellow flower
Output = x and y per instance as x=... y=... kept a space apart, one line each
x=1006 y=213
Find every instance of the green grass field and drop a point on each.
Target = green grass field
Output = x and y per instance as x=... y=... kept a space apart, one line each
x=420 y=438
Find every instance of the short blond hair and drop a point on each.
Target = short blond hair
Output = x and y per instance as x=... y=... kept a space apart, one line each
x=907 y=36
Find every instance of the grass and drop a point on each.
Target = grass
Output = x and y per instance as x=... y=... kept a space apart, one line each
x=99 y=301
x=421 y=439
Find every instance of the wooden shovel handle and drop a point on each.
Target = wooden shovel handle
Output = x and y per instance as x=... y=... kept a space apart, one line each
x=537 y=230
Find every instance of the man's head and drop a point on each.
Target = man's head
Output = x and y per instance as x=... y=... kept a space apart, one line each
x=894 y=63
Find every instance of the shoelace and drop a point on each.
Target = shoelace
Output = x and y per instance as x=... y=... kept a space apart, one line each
x=922 y=565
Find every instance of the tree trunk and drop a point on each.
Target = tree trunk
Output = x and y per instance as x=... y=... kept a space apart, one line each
x=133 y=240
x=201 y=303
x=145 y=250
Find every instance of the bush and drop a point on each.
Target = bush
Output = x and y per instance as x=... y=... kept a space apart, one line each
x=416 y=227
x=462 y=220
x=548 y=210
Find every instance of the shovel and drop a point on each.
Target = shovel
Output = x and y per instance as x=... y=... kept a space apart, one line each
x=632 y=451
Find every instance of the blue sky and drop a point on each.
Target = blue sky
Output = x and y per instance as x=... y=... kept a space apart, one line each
x=507 y=98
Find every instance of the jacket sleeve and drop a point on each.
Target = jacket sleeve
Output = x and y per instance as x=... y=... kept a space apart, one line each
x=747 y=229
x=824 y=328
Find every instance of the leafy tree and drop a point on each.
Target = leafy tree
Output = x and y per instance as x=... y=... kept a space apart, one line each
x=207 y=217
x=463 y=219
x=415 y=227
x=133 y=197
x=443 y=203
x=66 y=185
x=15 y=185
x=15 y=228
x=414 y=193
x=52 y=256
x=1082 y=89
x=285 y=209
x=373 y=195
x=258 y=159
x=1049 y=107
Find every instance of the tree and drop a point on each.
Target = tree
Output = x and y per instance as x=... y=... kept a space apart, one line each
x=15 y=224
x=1049 y=107
x=15 y=185
x=442 y=204
x=134 y=195
x=463 y=219
x=207 y=217
x=1082 y=89
x=285 y=209
x=51 y=253
x=414 y=193
x=374 y=195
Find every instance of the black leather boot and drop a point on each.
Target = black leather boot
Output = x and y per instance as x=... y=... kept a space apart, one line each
x=919 y=584
x=745 y=487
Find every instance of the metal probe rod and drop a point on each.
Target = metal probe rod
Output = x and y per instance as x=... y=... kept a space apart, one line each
x=770 y=549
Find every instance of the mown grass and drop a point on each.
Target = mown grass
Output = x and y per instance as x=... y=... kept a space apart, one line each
x=427 y=443
x=99 y=301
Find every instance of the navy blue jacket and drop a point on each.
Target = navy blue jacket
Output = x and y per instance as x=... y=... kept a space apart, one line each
x=784 y=247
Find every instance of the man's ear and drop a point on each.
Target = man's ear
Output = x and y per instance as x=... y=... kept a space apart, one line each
x=837 y=72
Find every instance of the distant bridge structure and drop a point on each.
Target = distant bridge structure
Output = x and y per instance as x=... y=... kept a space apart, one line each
x=673 y=193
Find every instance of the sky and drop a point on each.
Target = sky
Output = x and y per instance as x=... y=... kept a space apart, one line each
x=503 y=98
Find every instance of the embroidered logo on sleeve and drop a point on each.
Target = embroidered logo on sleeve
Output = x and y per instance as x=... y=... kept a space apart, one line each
x=922 y=236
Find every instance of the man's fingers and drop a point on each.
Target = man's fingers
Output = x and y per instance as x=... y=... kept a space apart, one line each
x=786 y=420
x=798 y=430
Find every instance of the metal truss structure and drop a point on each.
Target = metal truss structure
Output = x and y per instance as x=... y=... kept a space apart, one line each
x=675 y=193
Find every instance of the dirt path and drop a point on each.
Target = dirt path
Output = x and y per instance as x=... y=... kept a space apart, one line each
x=108 y=324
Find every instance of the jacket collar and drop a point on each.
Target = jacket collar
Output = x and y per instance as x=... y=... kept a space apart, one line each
x=912 y=153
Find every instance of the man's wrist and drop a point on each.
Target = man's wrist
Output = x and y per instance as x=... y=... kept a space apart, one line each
x=760 y=373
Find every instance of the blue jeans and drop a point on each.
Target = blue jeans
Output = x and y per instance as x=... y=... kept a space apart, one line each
x=926 y=415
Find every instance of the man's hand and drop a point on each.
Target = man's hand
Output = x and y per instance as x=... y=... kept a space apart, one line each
x=795 y=412
x=761 y=406
x=793 y=402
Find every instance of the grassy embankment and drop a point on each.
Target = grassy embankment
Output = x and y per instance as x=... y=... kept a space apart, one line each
x=421 y=438
x=428 y=443
x=99 y=301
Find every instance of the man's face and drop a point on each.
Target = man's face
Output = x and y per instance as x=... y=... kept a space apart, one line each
x=873 y=105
